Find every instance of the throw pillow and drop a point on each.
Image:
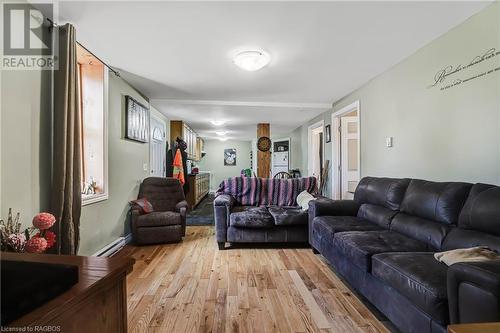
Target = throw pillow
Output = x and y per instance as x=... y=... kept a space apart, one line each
x=143 y=205
x=479 y=253
x=303 y=200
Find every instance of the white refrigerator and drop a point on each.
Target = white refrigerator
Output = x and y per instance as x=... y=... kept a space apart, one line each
x=281 y=156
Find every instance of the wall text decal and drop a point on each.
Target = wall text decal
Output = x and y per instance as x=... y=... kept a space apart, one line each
x=442 y=75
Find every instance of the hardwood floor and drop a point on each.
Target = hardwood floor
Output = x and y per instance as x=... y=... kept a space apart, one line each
x=194 y=287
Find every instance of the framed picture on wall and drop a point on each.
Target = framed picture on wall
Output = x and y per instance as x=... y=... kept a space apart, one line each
x=136 y=121
x=328 y=133
x=230 y=157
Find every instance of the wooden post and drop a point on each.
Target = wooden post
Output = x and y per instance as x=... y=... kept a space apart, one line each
x=263 y=157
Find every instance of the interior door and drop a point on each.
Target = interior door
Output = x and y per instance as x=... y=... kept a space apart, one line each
x=349 y=164
x=157 y=148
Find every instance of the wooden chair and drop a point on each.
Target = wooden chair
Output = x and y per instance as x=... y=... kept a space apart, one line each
x=282 y=175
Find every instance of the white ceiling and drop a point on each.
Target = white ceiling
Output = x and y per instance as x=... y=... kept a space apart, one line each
x=179 y=53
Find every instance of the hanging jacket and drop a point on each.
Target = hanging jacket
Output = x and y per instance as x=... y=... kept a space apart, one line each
x=178 y=167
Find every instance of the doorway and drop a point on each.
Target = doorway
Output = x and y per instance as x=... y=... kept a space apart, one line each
x=157 y=147
x=316 y=150
x=346 y=151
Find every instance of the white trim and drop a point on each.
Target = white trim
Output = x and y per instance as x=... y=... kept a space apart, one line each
x=113 y=247
x=90 y=199
x=336 y=184
x=242 y=103
x=314 y=126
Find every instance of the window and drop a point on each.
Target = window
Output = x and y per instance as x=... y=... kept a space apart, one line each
x=93 y=78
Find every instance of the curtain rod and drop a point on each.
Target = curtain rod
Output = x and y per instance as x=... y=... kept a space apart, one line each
x=53 y=24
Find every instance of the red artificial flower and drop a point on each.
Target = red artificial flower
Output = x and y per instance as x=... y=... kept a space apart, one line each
x=50 y=237
x=44 y=221
x=36 y=245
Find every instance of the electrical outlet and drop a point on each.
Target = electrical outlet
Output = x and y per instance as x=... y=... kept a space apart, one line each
x=388 y=142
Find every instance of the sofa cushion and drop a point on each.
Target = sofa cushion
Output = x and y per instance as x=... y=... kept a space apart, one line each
x=359 y=246
x=327 y=226
x=163 y=193
x=387 y=192
x=288 y=215
x=417 y=276
x=430 y=232
x=481 y=211
x=158 y=219
x=376 y=214
x=439 y=202
x=250 y=217
x=459 y=238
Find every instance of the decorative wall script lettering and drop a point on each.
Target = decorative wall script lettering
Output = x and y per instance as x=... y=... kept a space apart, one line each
x=441 y=78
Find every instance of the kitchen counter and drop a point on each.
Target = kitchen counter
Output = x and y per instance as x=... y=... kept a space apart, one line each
x=199 y=186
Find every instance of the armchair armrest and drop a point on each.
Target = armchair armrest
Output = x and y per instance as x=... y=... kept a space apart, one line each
x=474 y=292
x=182 y=208
x=180 y=205
x=327 y=207
x=222 y=209
x=134 y=215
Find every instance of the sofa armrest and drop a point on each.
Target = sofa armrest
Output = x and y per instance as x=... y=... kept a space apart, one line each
x=474 y=292
x=222 y=209
x=327 y=207
x=224 y=200
x=182 y=208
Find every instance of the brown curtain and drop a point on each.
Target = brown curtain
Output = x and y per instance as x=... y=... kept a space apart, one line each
x=66 y=175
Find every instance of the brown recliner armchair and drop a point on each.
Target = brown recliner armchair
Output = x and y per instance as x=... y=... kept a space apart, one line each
x=167 y=223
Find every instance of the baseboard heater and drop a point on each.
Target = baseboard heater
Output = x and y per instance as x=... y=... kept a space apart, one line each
x=112 y=248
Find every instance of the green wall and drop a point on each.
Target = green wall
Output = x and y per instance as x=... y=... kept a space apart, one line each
x=214 y=160
x=444 y=135
x=25 y=150
x=25 y=147
x=103 y=222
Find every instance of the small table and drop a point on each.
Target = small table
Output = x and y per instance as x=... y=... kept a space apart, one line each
x=474 y=328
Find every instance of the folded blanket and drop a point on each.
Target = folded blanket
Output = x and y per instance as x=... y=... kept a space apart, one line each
x=266 y=191
x=479 y=253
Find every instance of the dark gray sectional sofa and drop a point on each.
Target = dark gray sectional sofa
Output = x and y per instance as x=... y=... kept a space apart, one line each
x=383 y=242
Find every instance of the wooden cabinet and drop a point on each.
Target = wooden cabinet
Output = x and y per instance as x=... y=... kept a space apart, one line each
x=179 y=128
x=97 y=303
x=199 y=185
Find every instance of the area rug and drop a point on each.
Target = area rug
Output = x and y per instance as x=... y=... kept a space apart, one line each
x=203 y=214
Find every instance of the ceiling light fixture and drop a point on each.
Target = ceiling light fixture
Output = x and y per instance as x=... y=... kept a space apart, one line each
x=223 y=139
x=218 y=122
x=221 y=133
x=252 y=60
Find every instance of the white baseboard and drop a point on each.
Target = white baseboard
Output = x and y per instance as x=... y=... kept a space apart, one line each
x=113 y=247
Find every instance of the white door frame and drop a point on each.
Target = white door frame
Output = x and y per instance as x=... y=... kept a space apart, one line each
x=336 y=172
x=310 y=129
x=164 y=125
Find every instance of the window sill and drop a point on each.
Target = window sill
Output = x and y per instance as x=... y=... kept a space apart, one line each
x=91 y=199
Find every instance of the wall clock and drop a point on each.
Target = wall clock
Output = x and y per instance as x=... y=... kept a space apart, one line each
x=264 y=143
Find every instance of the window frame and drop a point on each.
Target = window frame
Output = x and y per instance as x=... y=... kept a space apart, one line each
x=88 y=199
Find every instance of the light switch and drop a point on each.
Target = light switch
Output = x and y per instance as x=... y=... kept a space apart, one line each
x=388 y=142
x=145 y=167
